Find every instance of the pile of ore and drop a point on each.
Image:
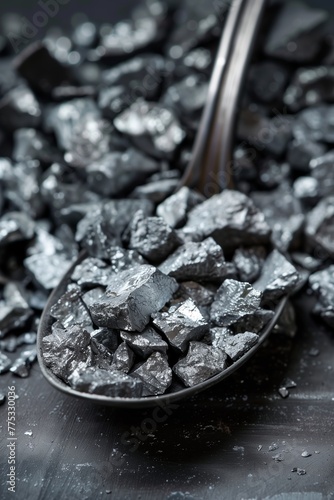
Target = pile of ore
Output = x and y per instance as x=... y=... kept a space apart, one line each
x=96 y=129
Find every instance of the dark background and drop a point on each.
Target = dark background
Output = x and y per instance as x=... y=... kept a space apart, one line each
x=215 y=446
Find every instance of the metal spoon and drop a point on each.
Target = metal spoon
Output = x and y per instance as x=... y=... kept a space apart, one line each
x=212 y=152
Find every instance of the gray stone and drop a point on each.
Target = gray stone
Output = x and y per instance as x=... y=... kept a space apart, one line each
x=181 y=324
x=111 y=383
x=249 y=262
x=203 y=261
x=301 y=152
x=202 y=296
x=315 y=124
x=145 y=343
x=47 y=270
x=320 y=226
x=174 y=210
x=231 y=218
x=131 y=297
x=155 y=374
x=70 y=310
x=123 y=358
x=92 y=296
x=92 y=272
x=283 y=214
x=279 y=277
x=234 y=300
x=15 y=227
x=310 y=86
x=201 y=363
x=322 y=284
x=106 y=337
x=152 y=237
x=5 y=363
x=156 y=123
x=321 y=169
x=238 y=345
x=67 y=350
x=14 y=309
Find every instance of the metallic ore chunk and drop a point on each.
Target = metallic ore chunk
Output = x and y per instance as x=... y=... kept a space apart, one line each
x=123 y=358
x=67 y=350
x=157 y=190
x=131 y=297
x=315 y=124
x=121 y=259
x=32 y=144
x=14 y=309
x=295 y=33
x=202 y=296
x=321 y=168
x=21 y=366
x=203 y=261
x=174 y=209
x=126 y=80
x=145 y=343
x=119 y=172
x=217 y=337
x=201 y=363
x=249 y=262
x=181 y=324
x=233 y=301
x=320 y=226
x=15 y=226
x=19 y=109
x=155 y=374
x=154 y=128
x=231 y=218
x=5 y=363
x=283 y=214
x=92 y=272
x=279 y=277
x=322 y=283
x=92 y=296
x=103 y=227
x=152 y=237
x=70 y=310
x=111 y=383
x=106 y=337
x=254 y=322
x=48 y=270
x=239 y=344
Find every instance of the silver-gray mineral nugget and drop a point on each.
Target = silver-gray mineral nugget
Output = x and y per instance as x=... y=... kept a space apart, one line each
x=93 y=295
x=322 y=283
x=123 y=358
x=249 y=262
x=217 y=336
x=108 y=338
x=203 y=261
x=92 y=272
x=320 y=226
x=174 y=209
x=152 y=237
x=181 y=324
x=67 y=350
x=233 y=301
x=202 y=296
x=5 y=363
x=111 y=383
x=239 y=344
x=145 y=343
x=131 y=298
x=70 y=310
x=201 y=363
x=231 y=218
x=155 y=375
x=279 y=277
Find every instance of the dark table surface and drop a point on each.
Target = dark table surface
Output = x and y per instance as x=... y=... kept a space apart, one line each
x=214 y=446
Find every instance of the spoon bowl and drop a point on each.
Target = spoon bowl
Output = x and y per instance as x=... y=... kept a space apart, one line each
x=144 y=402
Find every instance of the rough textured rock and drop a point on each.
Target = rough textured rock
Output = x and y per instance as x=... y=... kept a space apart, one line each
x=203 y=261
x=155 y=374
x=145 y=343
x=201 y=363
x=233 y=301
x=131 y=297
x=181 y=324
